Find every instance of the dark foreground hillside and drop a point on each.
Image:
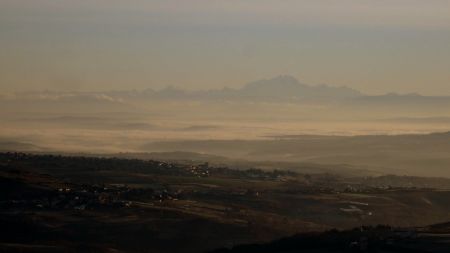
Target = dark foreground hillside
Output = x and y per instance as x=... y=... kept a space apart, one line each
x=382 y=239
x=54 y=203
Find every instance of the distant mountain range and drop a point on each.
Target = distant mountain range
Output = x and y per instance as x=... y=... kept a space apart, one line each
x=290 y=88
x=280 y=87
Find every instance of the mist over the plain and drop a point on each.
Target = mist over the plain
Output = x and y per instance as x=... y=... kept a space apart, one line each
x=272 y=119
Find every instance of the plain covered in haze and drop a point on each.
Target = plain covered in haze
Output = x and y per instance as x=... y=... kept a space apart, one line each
x=277 y=120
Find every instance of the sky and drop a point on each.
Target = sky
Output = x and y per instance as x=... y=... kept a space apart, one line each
x=375 y=46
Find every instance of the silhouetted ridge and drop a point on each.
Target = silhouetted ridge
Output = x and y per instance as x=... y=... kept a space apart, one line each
x=289 y=87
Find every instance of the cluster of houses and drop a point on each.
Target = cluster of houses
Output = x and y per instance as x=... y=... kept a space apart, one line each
x=78 y=198
x=201 y=170
x=86 y=197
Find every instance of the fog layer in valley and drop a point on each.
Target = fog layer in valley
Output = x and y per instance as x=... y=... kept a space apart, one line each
x=266 y=120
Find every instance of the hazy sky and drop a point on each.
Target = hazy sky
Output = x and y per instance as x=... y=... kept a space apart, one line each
x=375 y=46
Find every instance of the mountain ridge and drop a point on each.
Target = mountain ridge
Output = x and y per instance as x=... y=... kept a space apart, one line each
x=279 y=89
